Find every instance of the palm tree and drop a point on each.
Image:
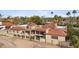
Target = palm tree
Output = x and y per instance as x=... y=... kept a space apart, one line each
x=56 y=17
x=74 y=12
x=0 y=16
x=70 y=29
x=51 y=12
x=68 y=25
x=68 y=13
x=8 y=17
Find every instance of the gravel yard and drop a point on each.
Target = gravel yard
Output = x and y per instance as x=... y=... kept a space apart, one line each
x=15 y=42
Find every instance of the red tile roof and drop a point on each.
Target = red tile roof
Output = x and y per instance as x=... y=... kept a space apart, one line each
x=40 y=29
x=7 y=23
x=17 y=28
x=49 y=25
x=56 y=32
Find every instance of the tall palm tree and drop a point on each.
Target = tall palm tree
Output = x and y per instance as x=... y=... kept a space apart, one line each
x=0 y=16
x=69 y=18
x=8 y=17
x=68 y=25
x=51 y=12
x=74 y=12
x=56 y=17
x=68 y=13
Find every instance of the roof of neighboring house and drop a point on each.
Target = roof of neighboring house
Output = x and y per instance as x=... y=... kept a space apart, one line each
x=56 y=32
x=40 y=29
x=17 y=28
x=49 y=25
x=7 y=23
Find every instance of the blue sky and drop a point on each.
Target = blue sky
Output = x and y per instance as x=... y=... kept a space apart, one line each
x=45 y=13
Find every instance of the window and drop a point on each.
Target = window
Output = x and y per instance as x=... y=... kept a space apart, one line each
x=54 y=37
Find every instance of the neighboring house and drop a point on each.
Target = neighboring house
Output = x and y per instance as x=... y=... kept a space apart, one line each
x=50 y=25
x=16 y=30
x=7 y=24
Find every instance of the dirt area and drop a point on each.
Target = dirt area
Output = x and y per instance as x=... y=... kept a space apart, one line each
x=15 y=42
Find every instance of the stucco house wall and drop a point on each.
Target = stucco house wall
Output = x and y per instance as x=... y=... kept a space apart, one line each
x=61 y=38
x=42 y=40
x=49 y=39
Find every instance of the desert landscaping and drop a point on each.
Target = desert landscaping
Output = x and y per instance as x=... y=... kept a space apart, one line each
x=16 y=42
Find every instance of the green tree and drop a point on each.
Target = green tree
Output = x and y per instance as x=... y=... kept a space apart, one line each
x=69 y=27
x=17 y=20
x=75 y=41
x=60 y=18
x=23 y=20
x=43 y=19
x=35 y=19
x=56 y=17
x=77 y=20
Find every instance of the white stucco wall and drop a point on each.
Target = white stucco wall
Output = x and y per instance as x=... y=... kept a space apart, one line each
x=49 y=39
x=61 y=38
x=54 y=41
x=42 y=40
